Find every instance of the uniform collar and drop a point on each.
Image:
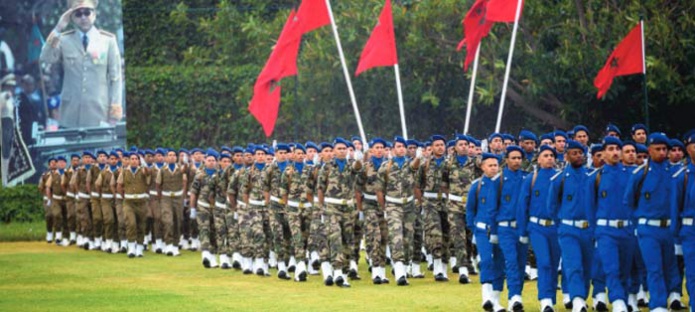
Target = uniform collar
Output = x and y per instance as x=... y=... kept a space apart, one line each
x=91 y=33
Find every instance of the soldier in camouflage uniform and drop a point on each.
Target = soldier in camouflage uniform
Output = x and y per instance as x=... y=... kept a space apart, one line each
x=376 y=234
x=396 y=180
x=218 y=188
x=233 y=238
x=106 y=193
x=55 y=193
x=434 y=190
x=46 y=201
x=172 y=181
x=255 y=222
x=418 y=236
x=95 y=199
x=460 y=173
x=276 y=212
x=241 y=210
x=560 y=142
x=336 y=191
x=202 y=208
x=78 y=182
x=318 y=231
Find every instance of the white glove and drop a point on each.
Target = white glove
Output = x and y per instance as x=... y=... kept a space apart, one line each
x=359 y=155
x=361 y=216
x=49 y=203
x=418 y=153
x=523 y=239
x=193 y=213
x=236 y=216
x=679 y=250
x=322 y=219
x=494 y=239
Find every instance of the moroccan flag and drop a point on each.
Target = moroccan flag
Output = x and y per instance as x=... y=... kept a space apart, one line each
x=313 y=14
x=503 y=11
x=626 y=59
x=282 y=63
x=380 y=49
x=475 y=28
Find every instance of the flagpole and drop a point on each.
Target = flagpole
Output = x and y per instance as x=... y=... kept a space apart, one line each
x=644 y=73
x=471 y=90
x=509 y=66
x=400 y=100
x=347 y=75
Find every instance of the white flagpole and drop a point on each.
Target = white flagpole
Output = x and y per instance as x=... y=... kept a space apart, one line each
x=471 y=91
x=347 y=75
x=509 y=66
x=400 y=100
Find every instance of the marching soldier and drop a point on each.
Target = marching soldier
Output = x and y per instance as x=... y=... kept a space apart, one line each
x=190 y=225
x=133 y=184
x=418 y=236
x=107 y=204
x=95 y=199
x=172 y=183
x=528 y=141
x=56 y=196
x=220 y=211
x=581 y=135
x=255 y=222
x=276 y=212
x=43 y=186
x=70 y=196
x=639 y=133
x=202 y=202
x=241 y=211
x=155 y=209
x=318 y=232
x=78 y=182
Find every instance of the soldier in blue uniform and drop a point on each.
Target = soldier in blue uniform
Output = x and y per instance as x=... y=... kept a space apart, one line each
x=539 y=223
x=613 y=130
x=647 y=193
x=639 y=133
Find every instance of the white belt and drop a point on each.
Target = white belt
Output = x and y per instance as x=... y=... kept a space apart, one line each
x=337 y=201
x=240 y=203
x=137 y=196
x=431 y=195
x=153 y=193
x=543 y=222
x=399 y=200
x=297 y=204
x=107 y=196
x=119 y=196
x=369 y=196
x=203 y=204
x=83 y=195
x=481 y=226
x=511 y=224
x=688 y=221
x=94 y=194
x=618 y=224
x=58 y=197
x=655 y=222
x=456 y=198
x=45 y=198
x=70 y=194
x=582 y=224
x=257 y=202
x=220 y=205
x=276 y=200
x=172 y=194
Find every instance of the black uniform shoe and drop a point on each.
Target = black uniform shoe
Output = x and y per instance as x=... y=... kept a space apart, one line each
x=248 y=272
x=385 y=280
x=369 y=269
x=376 y=280
x=302 y=277
x=236 y=265
x=225 y=266
x=568 y=305
x=548 y=309
x=403 y=281
x=259 y=272
x=315 y=265
x=131 y=255
x=388 y=261
x=455 y=270
x=642 y=303
x=463 y=279
x=441 y=278
x=206 y=263
x=677 y=305
x=517 y=307
x=73 y=242
x=340 y=282
x=158 y=250
x=352 y=274
x=472 y=270
x=328 y=281
x=283 y=275
x=86 y=246
x=601 y=307
x=487 y=306
x=291 y=269
x=430 y=267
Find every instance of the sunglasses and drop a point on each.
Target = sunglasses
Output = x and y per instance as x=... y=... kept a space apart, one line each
x=83 y=12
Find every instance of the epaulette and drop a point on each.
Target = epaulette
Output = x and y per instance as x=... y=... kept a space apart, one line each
x=675 y=175
x=638 y=169
x=106 y=33
x=69 y=32
x=496 y=177
x=556 y=175
x=476 y=181
x=588 y=174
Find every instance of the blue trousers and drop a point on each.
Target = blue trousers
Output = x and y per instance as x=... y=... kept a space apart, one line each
x=616 y=251
x=515 y=254
x=577 y=255
x=659 y=258
x=491 y=260
x=598 y=276
x=687 y=235
x=547 y=249
x=638 y=275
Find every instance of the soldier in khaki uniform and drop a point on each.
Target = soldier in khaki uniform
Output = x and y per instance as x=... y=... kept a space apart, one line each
x=71 y=196
x=155 y=210
x=202 y=203
x=78 y=182
x=107 y=204
x=395 y=191
x=132 y=184
x=91 y=61
x=120 y=215
x=95 y=199
x=46 y=200
x=55 y=193
x=190 y=225
x=172 y=183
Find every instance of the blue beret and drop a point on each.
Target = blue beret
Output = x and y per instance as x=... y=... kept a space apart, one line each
x=127 y=154
x=400 y=139
x=228 y=156
x=495 y=135
x=570 y=134
x=225 y=148
x=88 y=153
x=270 y=152
x=463 y=137
x=249 y=150
x=141 y=152
x=527 y=135
x=300 y=147
x=613 y=128
x=313 y=145
x=451 y=143
x=237 y=149
x=291 y=145
x=282 y=147
x=508 y=136
x=119 y=150
x=688 y=134
x=626 y=143
x=514 y=148
x=658 y=138
x=388 y=144
x=182 y=150
x=171 y=150
x=548 y=136
x=486 y=156
x=561 y=133
x=477 y=143
x=438 y=137
x=114 y=154
x=690 y=139
x=677 y=142
x=77 y=155
x=160 y=151
x=378 y=141
x=326 y=145
x=350 y=145
x=212 y=152
x=412 y=142
x=595 y=148
x=572 y=144
x=638 y=126
x=547 y=148
x=196 y=150
x=133 y=148
x=61 y=158
x=100 y=152
x=641 y=148
x=428 y=143
x=149 y=152
x=356 y=138
x=340 y=140
x=259 y=148
x=578 y=128
x=50 y=159
x=609 y=140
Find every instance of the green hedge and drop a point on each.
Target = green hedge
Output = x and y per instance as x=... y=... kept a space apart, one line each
x=21 y=203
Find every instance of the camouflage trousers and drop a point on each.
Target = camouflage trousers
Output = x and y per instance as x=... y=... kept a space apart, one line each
x=298 y=219
x=108 y=217
x=233 y=239
x=189 y=227
x=172 y=215
x=58 y=209
x=418 y=236
x=120 y=218
x=252 y=225
x=437 y=229
x=70 y=215
x=155 y=217
x=459 y=237
x=401 y=222
x=376 y=233
x=318 y=233
x=135 y=211
x=358 y=231
x=340 y=233
x=97 y=217
x=84 y=217
x=280 y=228
x=208 y=222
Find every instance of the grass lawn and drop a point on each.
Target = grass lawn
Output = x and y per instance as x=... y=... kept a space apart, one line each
x=22 y=232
